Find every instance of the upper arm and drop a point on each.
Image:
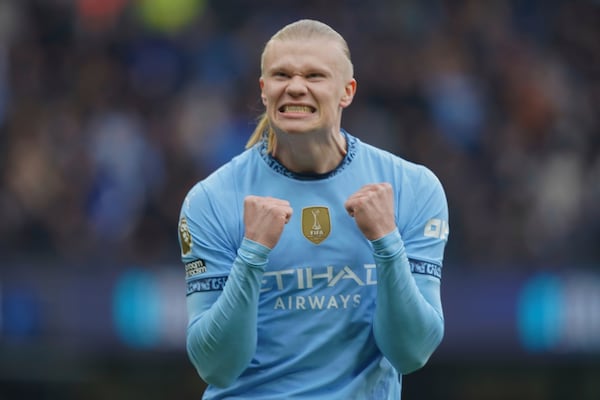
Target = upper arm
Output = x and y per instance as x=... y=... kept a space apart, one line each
x=207 y=248
x=425 y=234
x=425 y=229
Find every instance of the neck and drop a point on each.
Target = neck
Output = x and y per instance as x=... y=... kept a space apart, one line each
x=306 y=154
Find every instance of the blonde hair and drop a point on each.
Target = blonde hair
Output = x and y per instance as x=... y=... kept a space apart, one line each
x=302 y=29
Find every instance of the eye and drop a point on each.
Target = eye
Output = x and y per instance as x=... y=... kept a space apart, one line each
x=315 y=76
x=280 y=74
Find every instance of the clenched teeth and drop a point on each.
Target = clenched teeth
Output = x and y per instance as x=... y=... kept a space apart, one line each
x=297 y=109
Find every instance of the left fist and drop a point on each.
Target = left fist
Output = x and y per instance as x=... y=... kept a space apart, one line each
x=372 y=207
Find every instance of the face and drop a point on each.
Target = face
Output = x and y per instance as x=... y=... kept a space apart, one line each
x=305 y=85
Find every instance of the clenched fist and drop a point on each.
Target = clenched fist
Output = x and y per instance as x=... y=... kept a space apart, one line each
x=264 y=219
x=372 y=207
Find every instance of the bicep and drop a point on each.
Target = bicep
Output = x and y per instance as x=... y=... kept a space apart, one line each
x=425 y=229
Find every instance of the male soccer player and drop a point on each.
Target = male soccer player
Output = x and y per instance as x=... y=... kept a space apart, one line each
x=313 y=260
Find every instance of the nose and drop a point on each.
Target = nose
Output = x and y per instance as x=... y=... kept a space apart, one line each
x=296 y=86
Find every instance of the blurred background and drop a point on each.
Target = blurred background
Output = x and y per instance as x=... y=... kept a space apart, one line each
x=110 y=110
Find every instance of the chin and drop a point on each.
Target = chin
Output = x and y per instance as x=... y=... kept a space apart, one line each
x=295 y=129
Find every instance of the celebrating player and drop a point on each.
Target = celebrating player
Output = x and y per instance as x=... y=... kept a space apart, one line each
x=313 y=260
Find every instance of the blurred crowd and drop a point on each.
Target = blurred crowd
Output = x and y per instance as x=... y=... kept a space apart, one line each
x=111 y=110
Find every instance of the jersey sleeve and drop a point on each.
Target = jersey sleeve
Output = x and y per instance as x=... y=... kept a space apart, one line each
x=205 y=235
x=223 y=284
x=426 y=233
x=409 y=323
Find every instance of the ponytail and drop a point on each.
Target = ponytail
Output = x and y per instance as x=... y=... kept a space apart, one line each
x=262 y=127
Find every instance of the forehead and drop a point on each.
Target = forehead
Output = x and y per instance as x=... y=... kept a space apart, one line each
x=304 y=53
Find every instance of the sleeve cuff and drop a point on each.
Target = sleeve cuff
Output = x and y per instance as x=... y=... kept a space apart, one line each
x=253 y=253
x=389 y=245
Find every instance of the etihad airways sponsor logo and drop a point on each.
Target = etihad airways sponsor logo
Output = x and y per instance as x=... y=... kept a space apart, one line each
x=317 y=302
x=308 y=277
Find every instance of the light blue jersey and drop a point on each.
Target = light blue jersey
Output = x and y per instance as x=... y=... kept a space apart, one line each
x=326 y=314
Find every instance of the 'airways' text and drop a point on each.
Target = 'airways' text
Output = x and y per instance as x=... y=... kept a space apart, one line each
x=316 y=302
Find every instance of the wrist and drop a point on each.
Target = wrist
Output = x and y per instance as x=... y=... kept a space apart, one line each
x=253 y=253
x=388 y=245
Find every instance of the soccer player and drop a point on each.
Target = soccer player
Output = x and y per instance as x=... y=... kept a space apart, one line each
x=313 y=260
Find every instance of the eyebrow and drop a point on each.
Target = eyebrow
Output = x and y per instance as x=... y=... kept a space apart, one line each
x=304 y=68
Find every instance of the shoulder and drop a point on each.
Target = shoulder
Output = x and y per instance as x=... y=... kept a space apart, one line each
x=373 y=154
x=422 y=175
x=221 y=182
x=231 y=170
x=417 y=174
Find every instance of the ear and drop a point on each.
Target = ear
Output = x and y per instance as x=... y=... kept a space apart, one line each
x=261 y=83
x=349 y=92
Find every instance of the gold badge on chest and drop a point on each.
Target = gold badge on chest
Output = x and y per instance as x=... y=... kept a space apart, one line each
x=316 y=223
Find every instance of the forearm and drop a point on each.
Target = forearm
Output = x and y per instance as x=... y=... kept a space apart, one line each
x=222 y=340
x=408 y=324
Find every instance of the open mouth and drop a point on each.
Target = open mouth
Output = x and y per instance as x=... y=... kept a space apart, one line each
x=297 y=109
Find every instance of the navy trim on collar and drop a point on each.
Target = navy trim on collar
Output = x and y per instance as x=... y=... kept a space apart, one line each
x=276 y=166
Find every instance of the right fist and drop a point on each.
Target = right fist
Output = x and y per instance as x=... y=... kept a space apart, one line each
x=264 y=219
